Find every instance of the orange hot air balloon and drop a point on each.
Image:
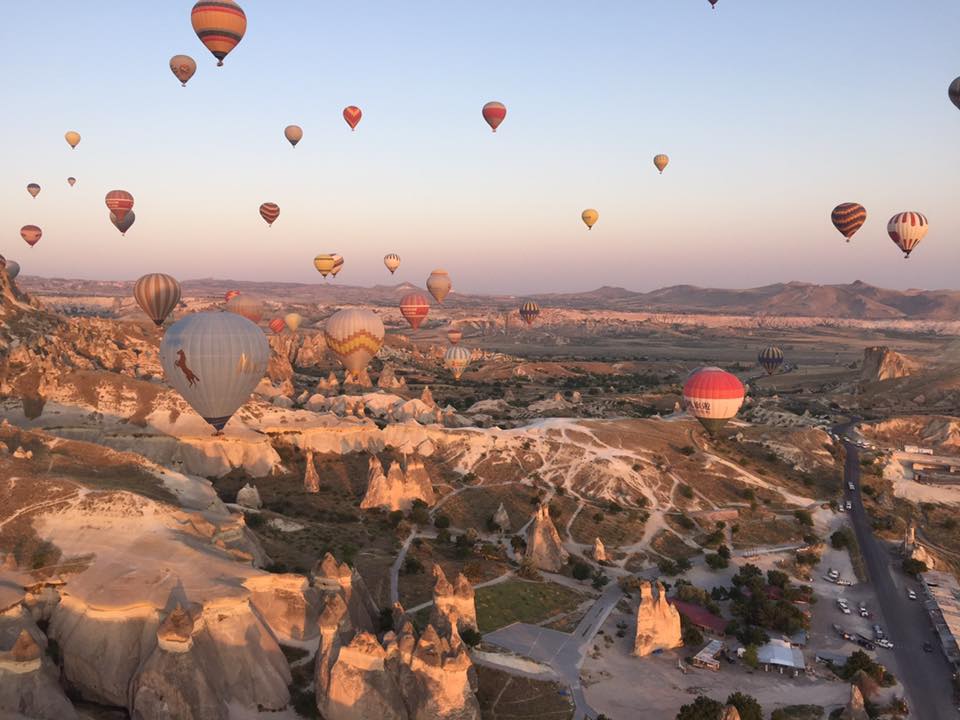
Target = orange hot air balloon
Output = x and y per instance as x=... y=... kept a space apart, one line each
x=230 y=295
x=250 y=308
x=414 y=308
x=660 y=162
x=454 y=335
x=33 y=189
x=120 y=202
x=73 y=138
x=277 y=325
x=31 y=234
x=494 y=113
x=439 y=284
x=352 y=115
x=270 y=212
x=220 y=25
x=183 y=66
x=293 y=134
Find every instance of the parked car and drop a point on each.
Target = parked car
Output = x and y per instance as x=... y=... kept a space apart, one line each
x=911 y=594
x=850 y=486
x=849 y=505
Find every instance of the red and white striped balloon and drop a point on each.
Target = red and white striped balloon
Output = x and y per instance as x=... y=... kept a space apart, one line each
x=907 y=229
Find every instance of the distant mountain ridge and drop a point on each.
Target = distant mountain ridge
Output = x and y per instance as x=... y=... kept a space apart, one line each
x=857 y=300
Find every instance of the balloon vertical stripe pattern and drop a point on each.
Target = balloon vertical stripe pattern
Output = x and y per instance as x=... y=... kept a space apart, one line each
x=847 y=218
x=157 y=295
x=220 y=25
x=770 y=358
x=456 y=359
x=907 y=229
x=392 y=261
x=529 y=311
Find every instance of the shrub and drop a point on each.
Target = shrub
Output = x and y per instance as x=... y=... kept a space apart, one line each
x=750 y=656
x=412 y=566
x=777 y=578
x=692 y=636
x=716 y=562
x=581 y=571
x=470 y=636
x=686 y=491
x=703 y=708
x=443 y=535
x=254 y=520
x=395 y=517
x=914 y=567
x=420 y=515
x=803 y=517
x=441 y=521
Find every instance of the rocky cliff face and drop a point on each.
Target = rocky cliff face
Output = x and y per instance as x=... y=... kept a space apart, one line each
x=658 y=622
x=340 y=581
x=398 y=488
x=311 y=480
x=599 y=551
x=730 y=713
x=544 y=547
x=855 y=709
x=453 y=604
x=882 y=363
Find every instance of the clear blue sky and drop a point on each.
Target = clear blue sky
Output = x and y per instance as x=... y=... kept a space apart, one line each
x=772 y=112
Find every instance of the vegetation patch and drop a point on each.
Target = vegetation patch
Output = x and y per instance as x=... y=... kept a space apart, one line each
x=521 y=601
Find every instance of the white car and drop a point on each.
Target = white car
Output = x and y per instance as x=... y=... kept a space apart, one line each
x=884 y=643
x=850 y=486
x=849 y=505
x=911 y=594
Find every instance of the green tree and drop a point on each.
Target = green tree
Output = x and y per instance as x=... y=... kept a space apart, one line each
x=703 y=708
x=803 y=517
x=581 y=571
x=750 y=656
x=441 y=521
x=914 y=567
x=777 y=578
x=746 y=705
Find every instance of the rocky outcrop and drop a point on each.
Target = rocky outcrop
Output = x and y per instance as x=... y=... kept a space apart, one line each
x=426 y=397
x=311 y=481
x=287 y=603
x=358 y=380
x=913 y=550
x=360 y=686
x=882 y=363
x=331 y=578
x=544 y=548
x=397 y=489
x=388 y=379
x=453 y=604
x=730 y=713
x=658 y=622
x=249 y=497
x=855 y=708
x=329 y=385
x=599 y=551
x=418 y=481
x=501 y=519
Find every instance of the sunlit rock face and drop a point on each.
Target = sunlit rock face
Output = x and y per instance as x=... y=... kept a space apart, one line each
x=544 y=547
x=658 y=622
x=398 y=488
x=454 y=607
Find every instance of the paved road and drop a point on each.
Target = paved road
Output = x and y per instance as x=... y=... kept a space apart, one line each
x=926 y=677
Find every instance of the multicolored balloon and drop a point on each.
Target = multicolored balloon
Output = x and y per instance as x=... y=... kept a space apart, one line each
x=277 y=325
x=270 y=212
x=770 y=359
x=456 y=359
x=248 y=307
x=660 y=162
x=392 y=261
x=529 y=311
x=352 y=115
x=31 y=234
x=220 y=25
x=439 y=284
x=848 y=218
x=71 y=181
x=324 y=263
x=293 y=321
x=589 y=217
x=454 y=335
x=157 y=295
x=214 y=360
x=119 y=202
x=183 y=66
x=354 y=336
x=72 y=137
x=907 y=229
x=713 y=396
x=33 y=189
x=123 y=225
x=414 y=308
x=293 y=134
x=494 y=113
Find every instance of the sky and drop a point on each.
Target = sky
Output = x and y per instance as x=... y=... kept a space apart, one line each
x=772 y=112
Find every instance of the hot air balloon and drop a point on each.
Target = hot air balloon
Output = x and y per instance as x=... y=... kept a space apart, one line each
x=454 y=335
x=770 y=358
x=392 y=261
x=248 y=307
x=907 y=229
x=270 y=212
x=293 y=321
x=352 y=115
x=31 y=234
x=120 y=202
x=494 y=113
x=129 y=219
x=456 y=359
x=713 y=396
x=293 y=134
x=214 y=360
x=220 y=25
x=277 y=325
x=13 y=269
x=71 y=181
x=954 y=92
x=183 y=66
x=439 y=284
x=590 y=217
x=354 y=336
x=3 y=263
x=33 y=189
x=337 y=265
x=157 y=295
x=661 y=161
x=713 y=3
x=848 y=218
x=72 y=138
x=529 y=311
x=414 y=308
x=324 y=264
x=230 y=295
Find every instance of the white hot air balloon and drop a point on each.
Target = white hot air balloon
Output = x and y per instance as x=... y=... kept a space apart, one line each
x=392 y=261
x=354 y=337
x=214 y=360
x=456 y=360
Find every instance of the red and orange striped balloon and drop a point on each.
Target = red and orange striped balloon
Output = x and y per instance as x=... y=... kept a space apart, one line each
x=220 y=25
x=907 y=229
x=277 y=325
x=352 y=115
x=120 y=203
x=270 y=212
x=848 y=218
x=494 y=113
x=230 y=295
x=414 y=308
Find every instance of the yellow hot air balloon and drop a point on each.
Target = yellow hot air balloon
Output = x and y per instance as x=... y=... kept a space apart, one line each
x=293 y=134
x=439 y=284
x=73 y=138
x=661 y=161
x=392 y=261
x=354 y=336
x=324 y=263
x=293 y=321
x=590 y=216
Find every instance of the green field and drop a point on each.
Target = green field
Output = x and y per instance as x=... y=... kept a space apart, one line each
x=522 y=601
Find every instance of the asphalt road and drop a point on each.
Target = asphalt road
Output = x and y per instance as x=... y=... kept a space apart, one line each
x=926 y=677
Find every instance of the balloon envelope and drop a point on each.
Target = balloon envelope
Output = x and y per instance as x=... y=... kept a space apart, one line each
x=770 y=358
x=590 y=217
x=248 y=307
x=230 y=295
x=157 y=295
x=119 y=202
x=414 y=308
x=529 y=311
x=456 y=359
x=392 y=261
x=352 y=115
x=325 y=262
x=907 y=229
x=73 y=138
x=293 y=134
x=33 y=189
x=439 y=284
x=214 y=360
x=129 y=219
x=183 y=66
x=494 y=113
x=661 y=161
x=848 y=218
x=293 y=321
x=220 y=25
x=337 y=264
x=71 y=181
x=454 y=335
x=31 y=234
x=354 y=336
x=270 y=212
x=277 y=325
x=954 y=92
x=713 y=396
x=13 y=269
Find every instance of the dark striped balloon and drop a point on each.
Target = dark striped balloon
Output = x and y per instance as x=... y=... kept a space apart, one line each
x=954 y=92
x=270 y=212
x=220 y=25
x=848 y=218
x=770 y=358
x=529 y=311
x=157 y=295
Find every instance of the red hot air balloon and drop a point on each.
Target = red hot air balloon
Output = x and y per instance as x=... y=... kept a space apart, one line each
x=277 y=325
x=494 y=113
x=352 y=115
x=414 y=308
x=120 y=203
x=270 y=212
x=713 y=396
x=31 y=234
x=230 y=295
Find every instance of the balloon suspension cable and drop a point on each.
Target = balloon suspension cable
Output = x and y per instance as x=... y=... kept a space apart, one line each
x=219 y=63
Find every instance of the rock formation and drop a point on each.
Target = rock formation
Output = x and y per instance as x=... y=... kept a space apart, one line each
x=599 y=551
x=544 y=548
x=658 y=622
x=311 y=481
x=453 y=604
x=248 y=496
x=388 y=379
x=882 y=363
x=397 y=489
x=426 y=397
x=418 y=480
x=855 y=708
x=338 y=579
x=915 y=551
x=730 y=713
x=329 y=385
x=501 y=519
x=360 y=379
